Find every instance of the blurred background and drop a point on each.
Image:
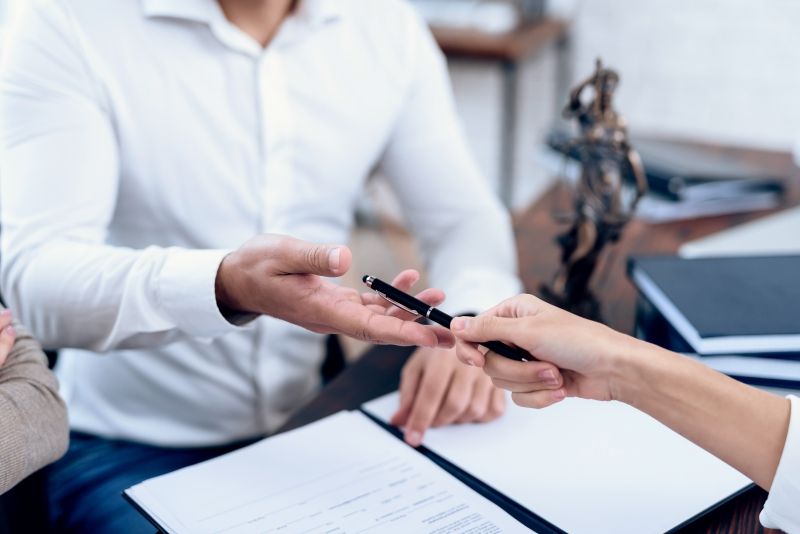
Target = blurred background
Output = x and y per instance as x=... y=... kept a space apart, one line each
x=714 y=72
x=721 y=71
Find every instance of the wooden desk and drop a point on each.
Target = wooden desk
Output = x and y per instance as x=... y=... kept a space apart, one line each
x=378 y=371
x=516 y=45
x=510 y=50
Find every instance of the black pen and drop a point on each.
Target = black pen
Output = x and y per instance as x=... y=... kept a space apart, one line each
x=415 y=306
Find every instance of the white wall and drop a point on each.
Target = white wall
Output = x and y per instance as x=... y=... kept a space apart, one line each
x=726 y=70
x=478 y=92
x=718 y=70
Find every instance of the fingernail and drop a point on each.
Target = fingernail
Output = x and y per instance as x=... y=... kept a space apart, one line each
x=558 y=394
x=333 y=258
x=9 y=331
x=5 y=313
x=470 y=363
x=414 y=438
x=459 y=323
x=547 y=375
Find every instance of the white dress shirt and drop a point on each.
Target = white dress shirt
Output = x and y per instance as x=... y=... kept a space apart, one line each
x=142 y=140
x=782 y=509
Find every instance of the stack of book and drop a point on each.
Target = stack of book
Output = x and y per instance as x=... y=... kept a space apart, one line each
x=739 y=315
x=686 y=181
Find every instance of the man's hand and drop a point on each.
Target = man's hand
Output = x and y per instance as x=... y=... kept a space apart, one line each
x=283 y=277
x=7 y=335
x=436 y=390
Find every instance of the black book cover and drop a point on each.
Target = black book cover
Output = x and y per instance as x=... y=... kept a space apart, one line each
x=722 y=297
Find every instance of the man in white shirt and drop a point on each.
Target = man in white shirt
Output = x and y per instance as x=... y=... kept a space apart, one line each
x=143 y=141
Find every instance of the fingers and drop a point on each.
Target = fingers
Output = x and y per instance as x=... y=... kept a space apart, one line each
x=7 y=335
x=458 y=398
x=355 y=320
x=469 y=353
x=430 y=296
x=406 y=280
x=409 y=383
x=539 y=399
x=534 y=373
x=519 y=306
x=497 y=406
x=429 y=397
x=294 y=256
x=489 y=327
x=480 y=402
x=5 y=318
x=444 y=337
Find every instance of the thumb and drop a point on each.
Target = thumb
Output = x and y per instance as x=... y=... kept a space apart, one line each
x=301 y=257
x=486 y=328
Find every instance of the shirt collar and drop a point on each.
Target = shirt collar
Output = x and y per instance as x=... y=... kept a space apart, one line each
x=315 y=12
x=197 y=10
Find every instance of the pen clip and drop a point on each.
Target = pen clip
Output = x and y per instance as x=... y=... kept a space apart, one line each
x=405 y=308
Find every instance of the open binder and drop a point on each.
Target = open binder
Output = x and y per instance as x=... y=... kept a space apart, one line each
x=664 y=488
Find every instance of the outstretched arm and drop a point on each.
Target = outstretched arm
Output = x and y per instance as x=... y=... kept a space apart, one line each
x=743 y=426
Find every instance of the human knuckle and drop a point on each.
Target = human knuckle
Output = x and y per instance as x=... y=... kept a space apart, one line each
x=311 y=257
x=278 y=241
x=526 y=401
x=498 y=383
x=475 y=411
x=454 y=405
x=494 y=411
x=530 y=371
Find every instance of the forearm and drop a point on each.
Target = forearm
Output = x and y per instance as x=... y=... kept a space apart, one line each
x=743 y=426
x=101 y=297
x=33 y=419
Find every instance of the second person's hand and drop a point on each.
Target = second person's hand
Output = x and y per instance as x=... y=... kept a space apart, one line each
x=579 y=358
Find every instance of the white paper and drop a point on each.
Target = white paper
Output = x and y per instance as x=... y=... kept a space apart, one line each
x=586 y=466
x=769 y=236
x=343 y=474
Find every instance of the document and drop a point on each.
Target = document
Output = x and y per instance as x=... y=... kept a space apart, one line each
x=342 y=474
x=586 y=466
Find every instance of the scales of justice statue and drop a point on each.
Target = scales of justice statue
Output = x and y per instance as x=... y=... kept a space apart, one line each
x=611 y=182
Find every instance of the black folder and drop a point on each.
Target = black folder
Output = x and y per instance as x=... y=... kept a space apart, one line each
x=731 y=305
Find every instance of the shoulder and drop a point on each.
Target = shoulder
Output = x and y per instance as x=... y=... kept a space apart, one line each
x=68 y=20
x=83 y=11
x=392 y=29
x=384 y=22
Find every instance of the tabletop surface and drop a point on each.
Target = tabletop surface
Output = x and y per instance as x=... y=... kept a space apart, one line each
x=378 y=371
x=514 y=45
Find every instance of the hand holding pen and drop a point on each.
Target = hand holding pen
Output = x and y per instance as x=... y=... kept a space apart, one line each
x=415 y=306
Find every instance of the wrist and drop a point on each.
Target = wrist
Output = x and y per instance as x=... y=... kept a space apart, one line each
x=222 y=287
x=634 y=366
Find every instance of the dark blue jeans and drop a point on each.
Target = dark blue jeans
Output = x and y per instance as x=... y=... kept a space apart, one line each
x=85 y=487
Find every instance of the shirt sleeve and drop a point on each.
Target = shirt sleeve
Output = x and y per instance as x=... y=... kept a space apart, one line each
x=463 y=230
x=33 y=418
x=782 y=509
x=59 y=182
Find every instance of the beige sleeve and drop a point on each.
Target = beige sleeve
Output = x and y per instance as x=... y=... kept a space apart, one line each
x=33 y=419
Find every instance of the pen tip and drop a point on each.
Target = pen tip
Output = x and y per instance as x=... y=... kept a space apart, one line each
x=364 y=278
